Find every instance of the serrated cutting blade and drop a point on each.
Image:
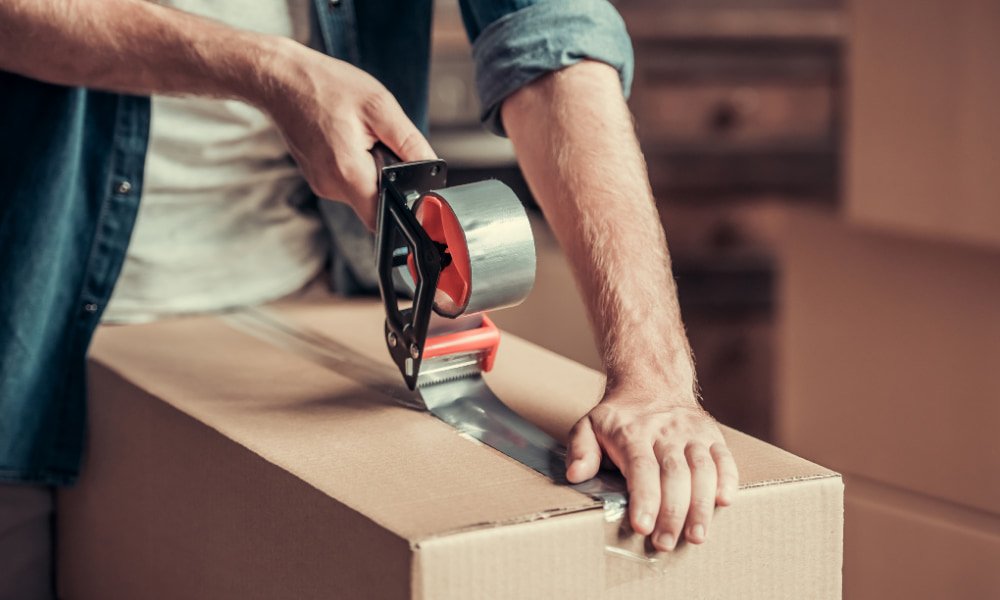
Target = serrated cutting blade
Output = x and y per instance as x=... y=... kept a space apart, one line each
x=450 y=368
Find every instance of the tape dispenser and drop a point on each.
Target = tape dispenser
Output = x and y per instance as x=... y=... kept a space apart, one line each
x=446 y=256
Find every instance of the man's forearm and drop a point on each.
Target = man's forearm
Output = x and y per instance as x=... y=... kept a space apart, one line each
x=577 y=148
x=131 y=46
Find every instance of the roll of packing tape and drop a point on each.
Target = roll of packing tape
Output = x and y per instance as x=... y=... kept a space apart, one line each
x=486 y=232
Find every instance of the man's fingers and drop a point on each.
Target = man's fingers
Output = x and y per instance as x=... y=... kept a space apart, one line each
x=704 y=482
x=675 y=483
x=357 y=171
x=729 y=479
x=583 y=456
x=642 y=473
x=391 y=125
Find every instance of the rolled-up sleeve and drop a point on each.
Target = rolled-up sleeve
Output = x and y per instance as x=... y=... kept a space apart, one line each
x=516 y=42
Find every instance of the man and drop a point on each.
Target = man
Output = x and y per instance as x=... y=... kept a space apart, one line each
x=224 y=219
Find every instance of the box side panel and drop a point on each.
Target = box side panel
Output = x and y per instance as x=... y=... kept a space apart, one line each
x=169 y=508
x=777 y=542
x=888 y=339
x=558 y=557
x=899 y=545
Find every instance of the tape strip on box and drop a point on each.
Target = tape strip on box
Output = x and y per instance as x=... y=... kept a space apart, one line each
x=468 y=405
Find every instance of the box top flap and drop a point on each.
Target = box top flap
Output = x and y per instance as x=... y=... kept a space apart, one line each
x=348 y=437
x=405 y=470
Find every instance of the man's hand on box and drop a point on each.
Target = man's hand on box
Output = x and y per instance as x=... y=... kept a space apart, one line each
x=576 y=144
x=674 y=457
x=331 y=114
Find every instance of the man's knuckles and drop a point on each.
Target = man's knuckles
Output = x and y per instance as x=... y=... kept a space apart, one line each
x=673 y=464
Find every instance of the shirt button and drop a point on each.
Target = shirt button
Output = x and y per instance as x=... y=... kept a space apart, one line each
x=334 y=3
x=124 y=186
x=90 y=307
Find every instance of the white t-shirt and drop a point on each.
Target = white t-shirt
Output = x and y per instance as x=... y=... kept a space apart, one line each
x=220 y=223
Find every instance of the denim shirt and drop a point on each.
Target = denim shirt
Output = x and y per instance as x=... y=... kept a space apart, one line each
x=71 y=168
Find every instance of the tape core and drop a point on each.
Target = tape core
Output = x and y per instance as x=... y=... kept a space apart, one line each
x=455 y=282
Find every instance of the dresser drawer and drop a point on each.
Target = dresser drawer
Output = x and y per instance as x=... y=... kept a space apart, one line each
x=744 y=232
x=744 y=117
x=720 y=115
x=742 y=96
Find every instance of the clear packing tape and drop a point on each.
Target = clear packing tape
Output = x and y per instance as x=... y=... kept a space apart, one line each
x=470 y=407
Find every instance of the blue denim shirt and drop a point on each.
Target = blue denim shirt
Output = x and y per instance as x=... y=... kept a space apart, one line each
x=71 y=167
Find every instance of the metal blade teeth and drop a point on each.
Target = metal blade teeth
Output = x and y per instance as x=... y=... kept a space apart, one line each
x=449 y=368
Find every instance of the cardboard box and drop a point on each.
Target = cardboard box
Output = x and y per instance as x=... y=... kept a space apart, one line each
x=221 y=465
x=888 y=358
x=902 y=545
x=923 y=128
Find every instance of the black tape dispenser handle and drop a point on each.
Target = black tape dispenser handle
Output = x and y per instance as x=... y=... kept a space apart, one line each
x=384 y=157
x=399 y=184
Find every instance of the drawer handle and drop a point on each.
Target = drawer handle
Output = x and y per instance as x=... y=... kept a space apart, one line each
x=730 y=114
x=724 y=117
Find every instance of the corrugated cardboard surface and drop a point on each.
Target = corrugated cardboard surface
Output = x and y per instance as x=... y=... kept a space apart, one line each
x=889 y=353
x=769 y=547
x=923 y=128
x=554 y=558
x=900 y=545
x=223 y=466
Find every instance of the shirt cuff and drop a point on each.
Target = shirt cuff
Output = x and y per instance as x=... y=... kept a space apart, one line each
x=522 y=46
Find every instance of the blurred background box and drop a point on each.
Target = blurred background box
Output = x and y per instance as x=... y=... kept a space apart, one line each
x=906 y=546
x=887 y=371
x=889 y=357
x=923 y=148
x=890 y=307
